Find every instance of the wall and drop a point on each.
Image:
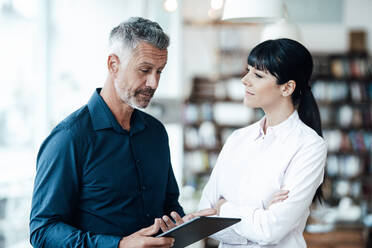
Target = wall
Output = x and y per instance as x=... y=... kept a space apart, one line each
x=322 y=37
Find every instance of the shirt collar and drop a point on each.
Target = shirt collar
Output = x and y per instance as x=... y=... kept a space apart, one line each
x=103 y=118
x=281 y=130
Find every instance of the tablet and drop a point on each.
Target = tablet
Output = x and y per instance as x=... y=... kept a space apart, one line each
x=197 y=229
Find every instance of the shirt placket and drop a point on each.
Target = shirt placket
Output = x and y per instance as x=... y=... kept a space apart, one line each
x=142 y=187
x=246 y=180
x=266 y=140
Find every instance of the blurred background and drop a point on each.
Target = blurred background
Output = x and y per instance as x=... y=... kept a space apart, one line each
x=53 y=55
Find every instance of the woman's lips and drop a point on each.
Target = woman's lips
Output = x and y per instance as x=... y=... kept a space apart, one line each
x=248 y=93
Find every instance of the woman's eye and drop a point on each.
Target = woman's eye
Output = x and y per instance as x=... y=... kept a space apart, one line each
x=247 y=69
x=144 y=70
x=159 y=72
x=258 y=76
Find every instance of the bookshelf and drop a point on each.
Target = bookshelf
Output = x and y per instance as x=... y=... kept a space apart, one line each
x=342 y=86
x=214 y=110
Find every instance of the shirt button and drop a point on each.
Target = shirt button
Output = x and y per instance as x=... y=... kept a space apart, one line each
x=138 y=161
x=148 y=215
x=143 y=187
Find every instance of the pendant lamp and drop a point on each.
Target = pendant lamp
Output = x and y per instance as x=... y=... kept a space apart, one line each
x=252 y=11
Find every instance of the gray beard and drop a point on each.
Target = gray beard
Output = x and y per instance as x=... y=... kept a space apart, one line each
x=125 y=99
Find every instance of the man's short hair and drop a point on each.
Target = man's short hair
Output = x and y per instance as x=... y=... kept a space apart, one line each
x=128 y=34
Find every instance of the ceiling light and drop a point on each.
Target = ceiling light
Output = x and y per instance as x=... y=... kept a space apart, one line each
x=216 y=4
x=170 y=5
x=253 y=10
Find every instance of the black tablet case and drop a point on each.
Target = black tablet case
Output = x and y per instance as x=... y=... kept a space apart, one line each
x=197 y=229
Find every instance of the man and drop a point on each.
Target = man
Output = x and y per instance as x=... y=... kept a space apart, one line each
x=105 y=172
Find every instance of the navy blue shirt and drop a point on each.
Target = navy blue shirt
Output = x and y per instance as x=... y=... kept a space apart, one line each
x=96 y=182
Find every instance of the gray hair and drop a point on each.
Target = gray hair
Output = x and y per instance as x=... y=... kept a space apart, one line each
x=135 y=30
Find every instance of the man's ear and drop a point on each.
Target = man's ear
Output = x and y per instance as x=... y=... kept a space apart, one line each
x=288 y=88
x=113 y=63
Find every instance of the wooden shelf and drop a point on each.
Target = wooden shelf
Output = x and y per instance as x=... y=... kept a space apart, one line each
x=342 y=102
x=206 y=149
x=349 y=152
x=341 y=237
x=212 y=100
x=333 y=79
x=346 y=129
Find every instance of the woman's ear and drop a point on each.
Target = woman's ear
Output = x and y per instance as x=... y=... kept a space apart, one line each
x=288 y=88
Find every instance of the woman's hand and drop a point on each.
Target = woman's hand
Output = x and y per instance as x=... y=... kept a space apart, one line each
x=220 y=202
x=166 y=223
x=279 y=196
x=204 y=212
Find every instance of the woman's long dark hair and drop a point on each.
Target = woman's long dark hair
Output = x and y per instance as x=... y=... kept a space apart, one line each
x=287 y=60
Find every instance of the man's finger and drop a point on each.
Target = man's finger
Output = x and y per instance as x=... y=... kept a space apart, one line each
x=158 y=242
x=163 y=226
x=168 y=222
x=177 y=218
x=151 y=230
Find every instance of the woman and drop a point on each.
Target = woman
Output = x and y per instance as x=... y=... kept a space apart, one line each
x=268 y=173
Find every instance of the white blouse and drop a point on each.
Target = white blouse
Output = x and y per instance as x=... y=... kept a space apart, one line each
x=251 y=167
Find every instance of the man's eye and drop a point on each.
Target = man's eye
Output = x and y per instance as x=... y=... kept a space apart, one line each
x=159 y=72
x=247 y=69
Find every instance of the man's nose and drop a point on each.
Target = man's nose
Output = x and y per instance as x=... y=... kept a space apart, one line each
x=152 y=81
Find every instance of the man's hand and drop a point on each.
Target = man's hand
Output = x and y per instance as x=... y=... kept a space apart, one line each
x=279 y=196
x=143 y=238
x=168 y=224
